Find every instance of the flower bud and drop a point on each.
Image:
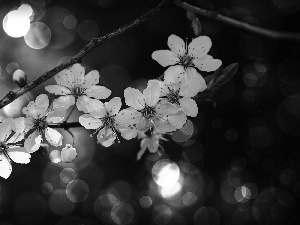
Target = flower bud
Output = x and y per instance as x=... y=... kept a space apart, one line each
x=19 y=77
x=68 y=154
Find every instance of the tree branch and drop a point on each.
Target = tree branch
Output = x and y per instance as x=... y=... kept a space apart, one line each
x=12 y=95
x=65 y=125
x=239 y=24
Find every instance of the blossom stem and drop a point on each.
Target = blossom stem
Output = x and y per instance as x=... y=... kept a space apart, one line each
x=72 y=135
x=65 y=125
x=239 y=24
x=12 y=95
x=71 y=111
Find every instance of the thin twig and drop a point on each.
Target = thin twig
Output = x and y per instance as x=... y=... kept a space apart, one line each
x=68 y=116
x=65 y=125
x=239 y=24
x=12 y=95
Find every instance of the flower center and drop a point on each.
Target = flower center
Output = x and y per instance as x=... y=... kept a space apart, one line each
x=40 y=124
x=173 y=96
x=77 y=90
x=3 y=147
x=108 y=121
x=186 y=61
x=148 y=112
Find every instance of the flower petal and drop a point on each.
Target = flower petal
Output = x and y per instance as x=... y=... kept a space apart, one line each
x=207 y=64
x=5 y=129
x=30 y=110
x=166 y=108
x=144 y=144
x=96 y=108
x=64 y=78
x=92 y=78
x=152 y=92
x=78 y=72
x=56 y=116
x=177 y=120
x=189 y=106
x=165 y=57
x=64 y=102
x=164 y=126
x=173 y=74
x=53 y=137
x=190 y=87
x=90 y=122
x=18 y=124
x=98 y=92
x=58 y=90
x=106 y=137
x=177 y=45
x=113 y=106
x=134 y=98
x=127 y=132
x=5 y=167
x=128 y=117
x=41 y=104
x=144 y=124
x=199 y=46
x=19 y=155
x=33 y=142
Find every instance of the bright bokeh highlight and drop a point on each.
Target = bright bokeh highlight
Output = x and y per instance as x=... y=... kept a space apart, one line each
x=171 y=191
x=17 y=22
x=165 y=173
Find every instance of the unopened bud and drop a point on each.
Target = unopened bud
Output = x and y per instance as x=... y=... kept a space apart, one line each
x=19 y=77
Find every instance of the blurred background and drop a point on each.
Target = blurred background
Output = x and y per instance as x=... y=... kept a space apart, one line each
x=237 y=162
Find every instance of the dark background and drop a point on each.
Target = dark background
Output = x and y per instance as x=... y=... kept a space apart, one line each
x=249 y=137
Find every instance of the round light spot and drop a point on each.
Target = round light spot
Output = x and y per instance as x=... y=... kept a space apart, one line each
x=122 y=188
x=162 y=214
x=88 y=29
x=228 y=189
x=70 y=22
x=55 y=156
x=171 y=191
x=59 y=203
x=250 y=79
x=68 y=154
x=189 y=199
x=46 y=188
x=165 y=173
x=185 y=133
x=122 y=213
x=67 y=175
x=145 y=202
x=207 y=216
x=242 y=194
x=38 y=36
x=77 y=191
x=12 y=67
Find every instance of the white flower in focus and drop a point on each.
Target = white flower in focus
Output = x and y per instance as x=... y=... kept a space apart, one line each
x=102 y=118
x=150 y=142
x=73 y=85
x=146 y=112
x=10 y=152
x=181 y=93
x=182 y=58
x=38 y=116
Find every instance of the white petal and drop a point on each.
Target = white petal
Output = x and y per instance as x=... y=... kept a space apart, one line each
x=134 y=98
x=152 y=93
x=106 y=137
x=190 y=73
x=113 y=106
x=5 y=167
x=190 y=87
x=30 y=110
x=166 y=108
x=177 y=120
x=33 y=142
x=199 y=46
x=128 y=117
x=127 y=132
x=78 y=72
x=82 y=103
x=165 y=57
x=5 y=129
x=16 y=138
x=173 y=74
x=90 y=122
x=64 y=102
x=92 y=78
x=189 y=106
x=53 y=137
x=18 y=125
x=19 y=155
x=96 y=108
x=58 y=90
x=57 y=115
x=98 y=92
x=41 y=104
x=144 y=144
x=177 y=45
x=163 y=88
x=64 y=78
x=68 y=154
x=144 y=124
x=163 y=126
x=207 y=64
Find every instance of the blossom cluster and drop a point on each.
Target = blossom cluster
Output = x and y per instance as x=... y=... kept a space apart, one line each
x=161 y=108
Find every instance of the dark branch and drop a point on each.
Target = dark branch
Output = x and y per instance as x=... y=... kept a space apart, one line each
x=239 y=24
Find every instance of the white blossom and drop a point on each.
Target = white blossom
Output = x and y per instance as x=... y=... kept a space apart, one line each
x=9 y=151
x=74 y=86
x=38 y=116
x=183 y=59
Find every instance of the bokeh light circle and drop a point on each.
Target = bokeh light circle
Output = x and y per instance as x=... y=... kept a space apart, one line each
x=207 y=216
x=171 y=191
x=185 y=133
x=67 y=175
x=88 y=29
x=70 y=22
x=165 y=173
x=55 y=156
x=77 y=191
x=38 y=36
x=59 y=204
x=162 y=214
x=46 y=188
x=189 y=199
x=242 y=194
x=145 y=201
x=12 y=67
x=122 y=213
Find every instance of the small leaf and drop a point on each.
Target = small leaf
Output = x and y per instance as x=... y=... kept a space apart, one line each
x=224 y=76
x=196 y=24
